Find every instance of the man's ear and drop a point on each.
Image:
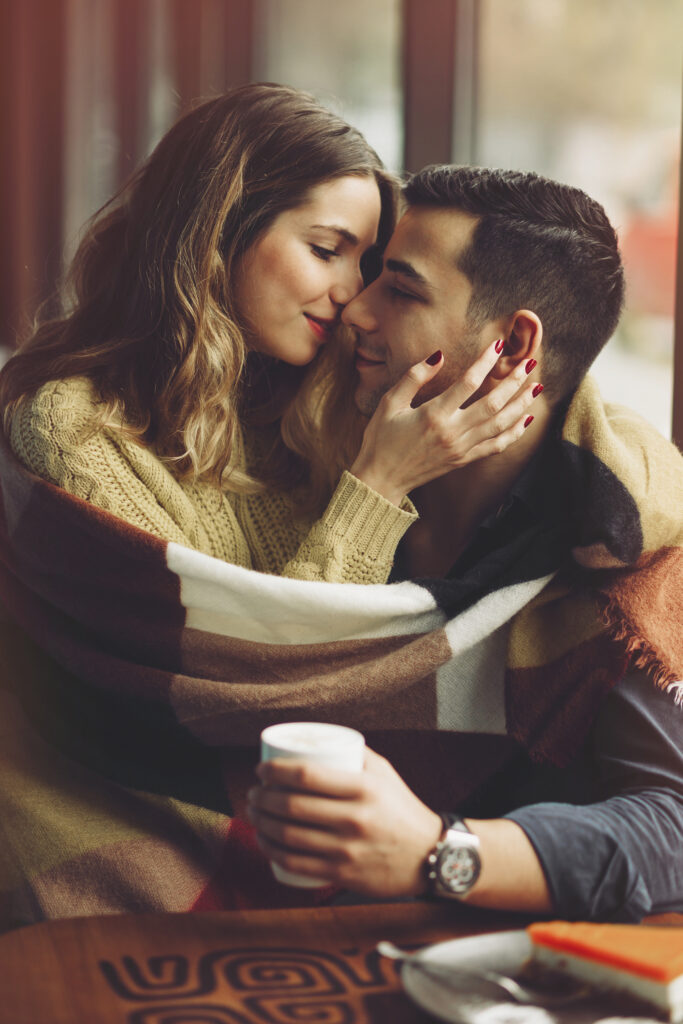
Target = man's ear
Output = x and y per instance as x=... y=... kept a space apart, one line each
x=522 y=342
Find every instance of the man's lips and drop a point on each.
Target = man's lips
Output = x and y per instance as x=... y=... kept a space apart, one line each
x=321 y=327
x=364 y=361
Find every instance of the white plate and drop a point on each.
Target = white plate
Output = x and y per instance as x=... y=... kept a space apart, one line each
x=505 y=952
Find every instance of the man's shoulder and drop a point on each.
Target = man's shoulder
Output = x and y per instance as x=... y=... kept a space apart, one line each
x=612 y=431
x=624 y=466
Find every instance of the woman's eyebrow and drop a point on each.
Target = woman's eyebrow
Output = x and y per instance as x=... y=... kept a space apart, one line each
x=344 y=232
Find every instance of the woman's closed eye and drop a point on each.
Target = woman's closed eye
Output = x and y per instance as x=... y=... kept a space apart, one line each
x=322 y=253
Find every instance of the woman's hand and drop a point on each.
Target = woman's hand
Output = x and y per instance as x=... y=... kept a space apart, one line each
x=404 y=447
x=366 y=831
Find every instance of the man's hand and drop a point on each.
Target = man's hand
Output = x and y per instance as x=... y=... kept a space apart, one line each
x=367 y=832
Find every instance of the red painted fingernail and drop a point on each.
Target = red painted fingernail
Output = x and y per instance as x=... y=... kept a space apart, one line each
x=528 y=420
x=530 y=365
x=500 y=345
x=537 y=390
x=434 y=358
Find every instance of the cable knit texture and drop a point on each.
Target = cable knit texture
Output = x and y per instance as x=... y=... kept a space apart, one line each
x=353 y=542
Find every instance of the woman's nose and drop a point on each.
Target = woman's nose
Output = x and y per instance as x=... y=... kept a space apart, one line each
x=357 y=313
x=346 y=287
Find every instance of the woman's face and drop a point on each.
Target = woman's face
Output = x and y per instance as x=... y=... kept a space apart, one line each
x=293 y=282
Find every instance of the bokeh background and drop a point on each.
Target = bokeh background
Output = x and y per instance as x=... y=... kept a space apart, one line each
x=586 y=91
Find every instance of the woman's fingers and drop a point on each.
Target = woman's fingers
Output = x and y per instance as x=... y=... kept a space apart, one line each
x=483 y=428
x=404 y=447
x=404 y=391
x=458 y=393
x=500 y=414
x=488 y=418
x=496 y=443
x=507 y=399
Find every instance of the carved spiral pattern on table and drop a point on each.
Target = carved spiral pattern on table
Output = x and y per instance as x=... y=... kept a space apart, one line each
x=245 y=986
x=285 y=971
x=188 y=1014
x=294 y=1013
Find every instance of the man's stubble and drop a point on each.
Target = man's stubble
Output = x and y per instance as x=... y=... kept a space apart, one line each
x=456 y=362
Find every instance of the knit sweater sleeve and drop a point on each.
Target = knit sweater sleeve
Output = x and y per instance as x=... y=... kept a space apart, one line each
x=354 y=541
x=52 y=436
x=356 y=538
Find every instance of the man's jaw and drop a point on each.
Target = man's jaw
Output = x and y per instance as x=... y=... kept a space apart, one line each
x=372 y=379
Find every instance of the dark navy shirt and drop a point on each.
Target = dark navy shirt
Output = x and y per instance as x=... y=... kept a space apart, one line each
x=607 y=829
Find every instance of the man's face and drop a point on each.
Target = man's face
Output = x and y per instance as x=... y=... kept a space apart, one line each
x=417 y=305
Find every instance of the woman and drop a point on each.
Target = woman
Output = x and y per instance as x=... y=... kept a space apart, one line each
x=196 y=385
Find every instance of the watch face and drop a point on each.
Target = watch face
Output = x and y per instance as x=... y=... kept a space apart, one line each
x=458 y=868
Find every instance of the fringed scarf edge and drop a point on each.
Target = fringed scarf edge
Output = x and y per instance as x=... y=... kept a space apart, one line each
x=643 y=655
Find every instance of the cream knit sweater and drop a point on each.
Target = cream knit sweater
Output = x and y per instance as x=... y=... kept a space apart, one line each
x=354 y=540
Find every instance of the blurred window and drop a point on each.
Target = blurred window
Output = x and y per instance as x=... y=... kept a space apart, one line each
x=584 y=91
x=348 y=54
x=590 y=93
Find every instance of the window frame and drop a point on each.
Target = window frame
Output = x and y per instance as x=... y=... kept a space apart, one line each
x=440 y=64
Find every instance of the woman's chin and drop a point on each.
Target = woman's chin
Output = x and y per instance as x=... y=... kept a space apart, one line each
x=300 y=357
x=293 y=355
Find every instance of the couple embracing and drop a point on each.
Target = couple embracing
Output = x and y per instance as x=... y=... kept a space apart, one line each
x=304 y=444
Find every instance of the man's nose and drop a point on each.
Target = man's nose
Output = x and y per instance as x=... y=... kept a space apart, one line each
x=358 y=313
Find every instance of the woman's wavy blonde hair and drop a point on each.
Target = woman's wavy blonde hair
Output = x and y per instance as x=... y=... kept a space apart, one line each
x=147 y=311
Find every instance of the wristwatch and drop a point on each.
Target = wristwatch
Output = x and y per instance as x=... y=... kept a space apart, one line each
x=454 y=864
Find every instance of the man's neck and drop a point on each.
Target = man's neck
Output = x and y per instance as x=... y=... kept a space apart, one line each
x=452 y=507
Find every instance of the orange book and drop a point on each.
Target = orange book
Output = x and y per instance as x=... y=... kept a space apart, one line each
x=644 y=961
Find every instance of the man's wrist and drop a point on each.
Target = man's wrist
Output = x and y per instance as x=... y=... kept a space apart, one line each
x=454 y=864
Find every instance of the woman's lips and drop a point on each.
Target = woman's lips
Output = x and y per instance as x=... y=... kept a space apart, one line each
x=321 y=328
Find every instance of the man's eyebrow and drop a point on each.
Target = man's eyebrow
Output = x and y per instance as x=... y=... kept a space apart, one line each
x=408 y=270
x=344 y=232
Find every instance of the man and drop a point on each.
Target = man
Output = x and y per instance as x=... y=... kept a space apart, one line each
x=478 y=256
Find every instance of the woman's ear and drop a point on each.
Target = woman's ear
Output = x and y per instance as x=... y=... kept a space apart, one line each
x=522 y=342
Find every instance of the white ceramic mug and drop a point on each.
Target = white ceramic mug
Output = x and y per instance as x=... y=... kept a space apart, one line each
x=333 y=745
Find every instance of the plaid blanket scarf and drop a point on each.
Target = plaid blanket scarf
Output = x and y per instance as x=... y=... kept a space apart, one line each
x=137 y=675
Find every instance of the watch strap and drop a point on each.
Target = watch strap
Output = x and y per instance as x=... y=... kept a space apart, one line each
x=451 y=822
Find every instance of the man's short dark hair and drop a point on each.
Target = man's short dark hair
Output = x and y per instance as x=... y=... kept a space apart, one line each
x=539 y=245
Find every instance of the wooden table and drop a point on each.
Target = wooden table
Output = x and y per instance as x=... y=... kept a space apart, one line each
x=251 y=967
